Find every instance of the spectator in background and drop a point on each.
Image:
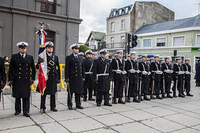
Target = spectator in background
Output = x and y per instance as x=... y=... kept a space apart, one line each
x=6 y=59
x=197 y=75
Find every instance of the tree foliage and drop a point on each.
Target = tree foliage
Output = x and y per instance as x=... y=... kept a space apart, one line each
x=83 y=48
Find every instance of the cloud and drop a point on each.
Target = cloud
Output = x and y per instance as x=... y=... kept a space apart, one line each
x=95 y=12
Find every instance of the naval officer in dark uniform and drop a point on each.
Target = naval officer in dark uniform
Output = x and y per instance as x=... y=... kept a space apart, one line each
x=178 y=78
x=88 y=64
x=21 y=76
x=132 y=67
x=167 y=74
x=75 y=76
x=145 y=72
x=102 y=73
x=157 y=76
x=119 y=76
x=53 y=72
x=187 y=70
x=2 y=75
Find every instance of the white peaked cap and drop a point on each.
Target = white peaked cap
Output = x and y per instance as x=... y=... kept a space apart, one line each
x=88 y=52
x=156 y=56
x=167 y=57
x=132 y=52
x=81 y=53
x=103 y=51
x=49 y=43
x=22 y=44
x=75 y=45
x=119 y=51
x=187 y=58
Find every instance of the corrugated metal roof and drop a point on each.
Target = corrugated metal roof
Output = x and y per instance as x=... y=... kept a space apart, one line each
x=170 y=25
x=98 y=35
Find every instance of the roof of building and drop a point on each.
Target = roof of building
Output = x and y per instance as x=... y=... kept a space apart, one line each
x=99 y=36
x=120 y=11
x=170 y=25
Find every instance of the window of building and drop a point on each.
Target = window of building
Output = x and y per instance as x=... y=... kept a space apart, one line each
x=48 y=6
x=198 y=40
x=138 y=43
x=50 y=36
x=127 y=10
x=123 y=24
x=123 y=11
x=147 y=43
x=120 y=12
x=92 y=43
x=112 y=42
x=161 y=42
x=122 y=41
x=178 y=41
x=113 y=27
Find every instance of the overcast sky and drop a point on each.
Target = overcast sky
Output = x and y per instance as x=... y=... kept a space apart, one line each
x=95 y=12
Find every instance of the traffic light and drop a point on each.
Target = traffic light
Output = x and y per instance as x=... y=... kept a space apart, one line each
x=129 y=38
x=175 y=53
x=134 y=41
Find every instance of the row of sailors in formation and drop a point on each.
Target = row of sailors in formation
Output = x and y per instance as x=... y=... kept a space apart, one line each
x=138 y=77
x=131 y=78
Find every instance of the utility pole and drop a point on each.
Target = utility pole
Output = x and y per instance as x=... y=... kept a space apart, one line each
x=198 y=4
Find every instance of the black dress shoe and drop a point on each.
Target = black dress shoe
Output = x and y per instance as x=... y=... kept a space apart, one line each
x=147 y=99
x=107 y=104
x=190 y=95
x=70 y=108
x=114 y=101
x=17 y=113
x=91 y=99
x=79 y=107
x=98 y=104
x=174 y=95
x=42 y=111
x=136 y=101
x=121 y=102
x=180 y=95
x=84 y=99
x=54 y=110
x=169 y=96
x=158 y=97
x=128 y=101
x=163 y=96
x=26 y=115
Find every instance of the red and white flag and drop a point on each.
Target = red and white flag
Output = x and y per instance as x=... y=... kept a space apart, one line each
x=42 y=73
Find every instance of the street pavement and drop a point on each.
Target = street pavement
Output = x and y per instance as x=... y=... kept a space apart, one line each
x=177 y=115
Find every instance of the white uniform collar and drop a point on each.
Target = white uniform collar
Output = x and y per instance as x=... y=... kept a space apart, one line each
x=49 y=54
x=24 y=55
x=76 y=55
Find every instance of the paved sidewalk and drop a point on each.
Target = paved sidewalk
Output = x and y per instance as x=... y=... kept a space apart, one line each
x=177 y=115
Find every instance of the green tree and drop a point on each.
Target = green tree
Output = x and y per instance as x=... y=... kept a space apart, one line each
x=83 y=48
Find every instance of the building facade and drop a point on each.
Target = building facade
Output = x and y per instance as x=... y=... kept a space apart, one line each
x=118 y=24
x=19 y=22
x=130 y=18
x=96 y=40
x=163 y=38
